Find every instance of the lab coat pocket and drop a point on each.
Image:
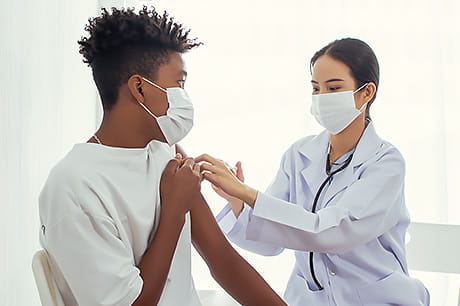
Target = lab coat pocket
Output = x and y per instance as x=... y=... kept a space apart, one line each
x=298 y=292
x=394 y=289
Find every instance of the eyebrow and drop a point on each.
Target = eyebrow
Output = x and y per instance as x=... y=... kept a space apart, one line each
x=328 y=81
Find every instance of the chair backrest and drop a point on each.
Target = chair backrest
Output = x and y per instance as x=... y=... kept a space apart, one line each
x=47 y=289
x=434 y=247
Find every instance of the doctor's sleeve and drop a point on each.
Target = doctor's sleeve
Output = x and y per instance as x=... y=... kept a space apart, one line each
x=367 y=208
x=96 y=264
x=236 y=229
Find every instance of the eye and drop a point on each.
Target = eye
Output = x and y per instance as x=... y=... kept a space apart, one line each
x=181 y=83
x=334 y=88
x=315 y=89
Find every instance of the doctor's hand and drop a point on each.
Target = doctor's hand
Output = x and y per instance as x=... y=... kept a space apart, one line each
x=180 y=185
x=235 y=203
x=216 y=172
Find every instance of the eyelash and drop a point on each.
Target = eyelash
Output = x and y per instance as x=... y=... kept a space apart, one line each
x=330 y=88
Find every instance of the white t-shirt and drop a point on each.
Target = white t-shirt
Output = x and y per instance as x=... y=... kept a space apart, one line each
x=99 y=210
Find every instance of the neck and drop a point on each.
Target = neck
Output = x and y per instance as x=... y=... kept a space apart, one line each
x=121 y=130
x=347 y=140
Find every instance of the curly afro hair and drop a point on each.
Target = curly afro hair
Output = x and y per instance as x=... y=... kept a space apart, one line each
x=123 y=43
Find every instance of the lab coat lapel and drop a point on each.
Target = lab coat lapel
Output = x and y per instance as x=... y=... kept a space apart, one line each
x=367 y=147
x=339 y=182
x=315 y=151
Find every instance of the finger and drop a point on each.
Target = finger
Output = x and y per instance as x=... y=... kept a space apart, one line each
x=188 y=162
x=210 y=177
x=206 y=158
x=216 y=189
x=179 y=156
x=172 y=165
x=209 y=168
x=197 y=169
x=239 y=171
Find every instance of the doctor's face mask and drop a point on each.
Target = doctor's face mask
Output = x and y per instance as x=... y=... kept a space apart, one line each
x=335 y=111
x=178 y=121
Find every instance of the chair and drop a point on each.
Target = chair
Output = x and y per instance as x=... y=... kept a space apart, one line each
x=47 y=289
x=440 y=241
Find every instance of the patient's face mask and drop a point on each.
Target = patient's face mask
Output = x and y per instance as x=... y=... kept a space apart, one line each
x=335 y=111
x=178 y=121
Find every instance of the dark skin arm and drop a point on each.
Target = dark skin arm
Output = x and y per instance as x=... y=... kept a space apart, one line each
x=154 y=267
x=227 y=267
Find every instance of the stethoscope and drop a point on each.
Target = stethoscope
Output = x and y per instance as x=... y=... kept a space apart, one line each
x=315 y=203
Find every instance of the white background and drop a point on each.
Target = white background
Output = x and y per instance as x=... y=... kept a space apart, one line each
x=250 y=87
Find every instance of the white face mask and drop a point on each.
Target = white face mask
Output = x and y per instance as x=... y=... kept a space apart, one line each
x=178 y=121
x=335 y=111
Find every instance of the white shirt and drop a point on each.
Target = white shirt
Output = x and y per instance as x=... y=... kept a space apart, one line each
x=99 y=211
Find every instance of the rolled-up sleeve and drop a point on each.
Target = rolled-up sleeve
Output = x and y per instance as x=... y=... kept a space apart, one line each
x=96 y=264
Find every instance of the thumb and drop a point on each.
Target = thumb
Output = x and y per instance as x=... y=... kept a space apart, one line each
x=239 y=171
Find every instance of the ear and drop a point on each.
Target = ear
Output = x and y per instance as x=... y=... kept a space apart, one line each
x=369 y=92
x=135 y=88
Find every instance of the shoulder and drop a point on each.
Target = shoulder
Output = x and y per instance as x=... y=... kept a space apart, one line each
x=387 y=161
x=301 y=143
x=69 y=171
x=64 y=186
x=389 y=152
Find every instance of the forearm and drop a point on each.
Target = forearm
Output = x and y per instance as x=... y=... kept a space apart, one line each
x=156 y=262
x=229 y=269
x=242 y=281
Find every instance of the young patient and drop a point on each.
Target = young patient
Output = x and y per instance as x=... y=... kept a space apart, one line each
x=107 y=242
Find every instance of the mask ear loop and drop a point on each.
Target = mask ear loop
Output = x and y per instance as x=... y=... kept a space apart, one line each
x=153 y=84
x=357 y=90
x=362 y=86
x=142 y=104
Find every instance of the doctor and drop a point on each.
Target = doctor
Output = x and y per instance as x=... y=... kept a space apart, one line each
x=337 y=199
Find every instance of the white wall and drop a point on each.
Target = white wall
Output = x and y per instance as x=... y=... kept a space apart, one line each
x=47 y=103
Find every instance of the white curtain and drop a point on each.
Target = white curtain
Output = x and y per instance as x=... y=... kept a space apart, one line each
x=47 y=103
x=250 y=86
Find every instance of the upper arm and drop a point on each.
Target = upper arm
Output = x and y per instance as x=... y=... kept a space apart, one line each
x=207 y=237
x=280 y=185
x=97 y=265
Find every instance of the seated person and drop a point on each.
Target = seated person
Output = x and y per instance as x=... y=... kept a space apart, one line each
x=117 y=231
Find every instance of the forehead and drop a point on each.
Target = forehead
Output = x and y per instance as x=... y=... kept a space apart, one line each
x=327 y=67
x=174 y=67
x=176 y=61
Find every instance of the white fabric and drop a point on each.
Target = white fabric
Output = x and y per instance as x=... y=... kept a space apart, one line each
x=99 y=209
x=178 y=121
x=335 y=111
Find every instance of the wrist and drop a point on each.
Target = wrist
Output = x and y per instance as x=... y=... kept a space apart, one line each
x=172 y=217
x=249 y=195
x=237 y=206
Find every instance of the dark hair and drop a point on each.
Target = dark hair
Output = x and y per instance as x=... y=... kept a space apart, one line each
x=123 y=43
x=358 y=56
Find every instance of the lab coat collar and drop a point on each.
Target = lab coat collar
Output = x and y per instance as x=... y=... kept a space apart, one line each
x=315 y=151
x=368 y=145
x=370 y=142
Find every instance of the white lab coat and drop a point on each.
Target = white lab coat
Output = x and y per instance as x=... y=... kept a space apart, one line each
x=357 y=233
